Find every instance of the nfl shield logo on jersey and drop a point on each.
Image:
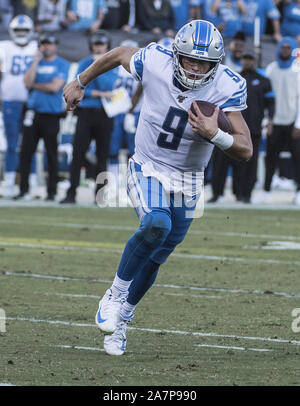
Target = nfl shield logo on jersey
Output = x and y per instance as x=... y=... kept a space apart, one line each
x=181 y=98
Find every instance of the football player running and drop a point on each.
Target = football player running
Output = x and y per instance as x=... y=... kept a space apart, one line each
x=172 y=146
x=16 y=55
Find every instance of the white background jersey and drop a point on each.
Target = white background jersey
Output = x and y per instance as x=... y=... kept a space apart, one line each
x=15 y=61
x=126 y=80
x=164 y=135
x=284 y=85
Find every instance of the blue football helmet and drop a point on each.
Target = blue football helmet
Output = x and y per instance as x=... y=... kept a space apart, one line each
x=202 y=41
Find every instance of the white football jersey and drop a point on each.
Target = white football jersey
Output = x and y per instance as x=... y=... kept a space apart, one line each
x=15 y=61
x=126 y=80
x=164 y=139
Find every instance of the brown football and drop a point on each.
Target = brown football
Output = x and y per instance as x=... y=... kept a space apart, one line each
x=208 y=108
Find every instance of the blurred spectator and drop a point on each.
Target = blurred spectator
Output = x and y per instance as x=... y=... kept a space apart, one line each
x=220 y=162
x=28 y=7
x=195 y=11
x=264 y=10
x=128 y=15
x=93 y=122
x=120 y=14
x=233 y=57
x=156 y=16
x=6 y=13
x=260 y=97
x=208 y=15
x=16 y=56
x=284 y=79
x=230 y=13
x=45 y=78
x=280 y=4
x=166 y=42
x=85 y=14
x=51 y=15
x=290 y=25
x=125 y=124
x=181 y=13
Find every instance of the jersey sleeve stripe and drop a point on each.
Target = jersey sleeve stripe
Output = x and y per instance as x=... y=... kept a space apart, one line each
x=137 y=66
x=236 y=101
x=240 y=91
x=235 y=108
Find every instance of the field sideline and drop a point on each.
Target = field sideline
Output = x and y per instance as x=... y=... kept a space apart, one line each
x=220 y=312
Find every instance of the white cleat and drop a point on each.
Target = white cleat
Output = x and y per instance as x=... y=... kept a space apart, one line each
x=263 y=197
x=8 y=192
x=115 y=344
x=108 y=314
x=8 y=185
x=23 y=196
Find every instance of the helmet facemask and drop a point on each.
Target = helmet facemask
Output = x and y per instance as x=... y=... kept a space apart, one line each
x=199 y=40
x=20 y=36
x=192 y=80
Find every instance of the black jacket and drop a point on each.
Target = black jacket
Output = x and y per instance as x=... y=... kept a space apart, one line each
x=259 y=98
x=149 y=18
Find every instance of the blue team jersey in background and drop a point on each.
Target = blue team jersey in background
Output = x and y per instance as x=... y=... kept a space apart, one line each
x=208 y=15
x=257 y=8
x=50 y=103
x=195 y=3
x=291 y=20
x=230 y=15
x=181 y=12
x=104 y=82
x=87 y=11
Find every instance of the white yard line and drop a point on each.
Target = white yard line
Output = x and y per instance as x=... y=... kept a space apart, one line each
x=151 y=330
x=196 y=296
x=78 y=347
x=228 y=347
x=80 y=295
x=159 y=285
x=129 y=228
x=57 y=247
x=209 y=207
x=176 y=255
x=235 y=259
x=225 y=347
x=70 y=225
x=6 y=384
x=60 y=278
x=247 y=235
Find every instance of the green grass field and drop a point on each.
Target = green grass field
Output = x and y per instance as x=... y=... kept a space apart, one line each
x=220 y=312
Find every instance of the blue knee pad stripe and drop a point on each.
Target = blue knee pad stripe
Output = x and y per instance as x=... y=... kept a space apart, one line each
x=135 y=191
x=155 y=227
x=146 y=193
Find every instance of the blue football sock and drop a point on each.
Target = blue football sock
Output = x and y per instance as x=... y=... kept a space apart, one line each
x=153 y=231
x=142 y=282
x=136 y=254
